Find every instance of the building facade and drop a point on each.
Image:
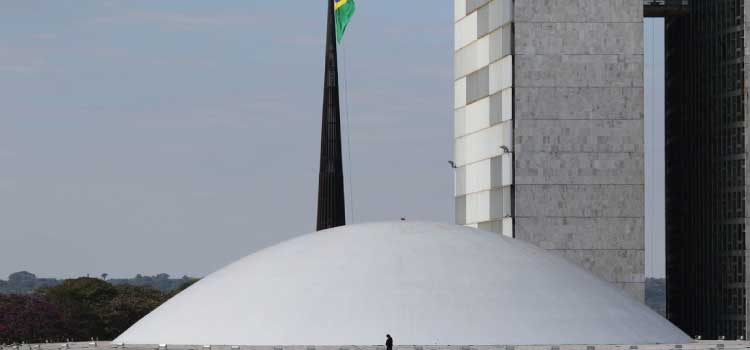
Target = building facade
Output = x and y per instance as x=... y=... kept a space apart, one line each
x=484 y=114
x=549 y=141
x=706 y=170
x=549 y=128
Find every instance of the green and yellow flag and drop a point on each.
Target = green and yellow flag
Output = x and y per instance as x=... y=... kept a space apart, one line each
x=344 y=10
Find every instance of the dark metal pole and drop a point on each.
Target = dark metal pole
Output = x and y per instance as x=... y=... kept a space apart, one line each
x=331 y=206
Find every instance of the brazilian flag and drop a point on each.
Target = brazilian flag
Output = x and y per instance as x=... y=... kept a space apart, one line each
x=344 y=10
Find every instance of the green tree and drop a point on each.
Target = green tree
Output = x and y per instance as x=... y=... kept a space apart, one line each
x=83 y=301
x=30 y=318
x=22 y=282
x=183 y=286
x=129 y=305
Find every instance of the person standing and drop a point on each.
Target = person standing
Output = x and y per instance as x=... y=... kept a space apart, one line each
x=388 y=342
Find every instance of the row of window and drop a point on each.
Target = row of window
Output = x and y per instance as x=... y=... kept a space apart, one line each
x=728 y=237
x=706 y=169
x=731 y=173
x=721 y=13
x=474 y=25
x=731 y=205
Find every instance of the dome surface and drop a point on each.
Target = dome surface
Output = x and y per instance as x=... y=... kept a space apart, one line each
x=423 y=283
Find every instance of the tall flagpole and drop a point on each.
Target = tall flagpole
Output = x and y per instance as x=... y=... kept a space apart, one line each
x=331 y=206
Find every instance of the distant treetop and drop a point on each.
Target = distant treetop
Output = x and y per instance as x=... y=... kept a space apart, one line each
x=24 y=282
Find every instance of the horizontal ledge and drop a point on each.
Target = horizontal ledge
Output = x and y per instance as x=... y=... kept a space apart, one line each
x=534 y=184
x=484 y=190
x=517 y=152
x=577 y=22
x=578 y=87
x=517 y=118
x=578 y=54
x=578 y=217
x=559 y=185
x=606 y=249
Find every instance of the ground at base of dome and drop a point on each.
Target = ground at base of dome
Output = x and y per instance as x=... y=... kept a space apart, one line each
x=103 y=345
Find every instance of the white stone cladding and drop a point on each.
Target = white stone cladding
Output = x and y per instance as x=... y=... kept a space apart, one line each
x=483 y=74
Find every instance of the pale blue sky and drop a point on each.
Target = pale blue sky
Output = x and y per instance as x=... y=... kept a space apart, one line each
x=654 y=138
x=177 y=136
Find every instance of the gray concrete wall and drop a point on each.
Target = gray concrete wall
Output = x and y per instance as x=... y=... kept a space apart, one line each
x=578 y=133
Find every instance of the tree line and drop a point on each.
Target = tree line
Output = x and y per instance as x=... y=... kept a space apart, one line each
x=84 y=308
x=77 y=309
x=25 y=282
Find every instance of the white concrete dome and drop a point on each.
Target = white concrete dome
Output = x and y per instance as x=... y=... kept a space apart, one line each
x=423 y=283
